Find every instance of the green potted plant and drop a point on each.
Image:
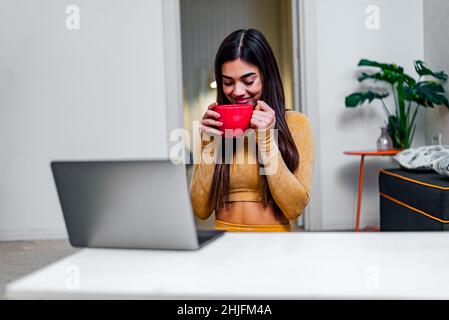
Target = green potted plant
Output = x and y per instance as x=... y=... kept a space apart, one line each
x=409 y=95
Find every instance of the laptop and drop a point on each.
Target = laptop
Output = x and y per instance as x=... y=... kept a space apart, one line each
x=138 y=204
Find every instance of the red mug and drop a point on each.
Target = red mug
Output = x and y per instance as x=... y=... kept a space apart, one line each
x=234 y=116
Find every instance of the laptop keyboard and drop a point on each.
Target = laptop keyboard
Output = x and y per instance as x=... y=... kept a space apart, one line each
x=206 y=235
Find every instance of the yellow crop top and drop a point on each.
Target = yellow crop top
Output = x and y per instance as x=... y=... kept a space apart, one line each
x=290 y=191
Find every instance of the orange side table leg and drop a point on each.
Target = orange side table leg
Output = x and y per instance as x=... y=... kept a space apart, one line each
x=359 y=195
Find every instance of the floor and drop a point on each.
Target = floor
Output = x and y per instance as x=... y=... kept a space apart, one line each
x=19 y=258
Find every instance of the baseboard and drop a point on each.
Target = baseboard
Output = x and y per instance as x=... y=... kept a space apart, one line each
x=33 y=234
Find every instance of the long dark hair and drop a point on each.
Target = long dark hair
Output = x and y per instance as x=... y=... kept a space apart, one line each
x=251 y=46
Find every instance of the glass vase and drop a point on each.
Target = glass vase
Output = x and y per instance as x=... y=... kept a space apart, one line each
x=384 y=142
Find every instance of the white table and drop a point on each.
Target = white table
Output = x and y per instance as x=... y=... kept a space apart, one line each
x=255 y=266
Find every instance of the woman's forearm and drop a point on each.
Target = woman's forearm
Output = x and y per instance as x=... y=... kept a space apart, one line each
x=201 y=181
x=290 y=190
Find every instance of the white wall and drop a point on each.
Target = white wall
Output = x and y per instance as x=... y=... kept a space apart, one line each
x=436 y=49
x=95 y=93
x=334 y=40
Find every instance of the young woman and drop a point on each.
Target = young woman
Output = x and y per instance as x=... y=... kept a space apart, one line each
x=243 y=199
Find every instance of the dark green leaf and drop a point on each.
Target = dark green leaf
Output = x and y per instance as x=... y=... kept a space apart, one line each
x=427 y=94
x=359 y=98
x=387 y=76
x=422 y=70
x=389 y=73
x=383 y=66
x=409 y=81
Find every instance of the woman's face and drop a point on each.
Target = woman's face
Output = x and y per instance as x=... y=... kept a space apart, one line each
x=242 y=82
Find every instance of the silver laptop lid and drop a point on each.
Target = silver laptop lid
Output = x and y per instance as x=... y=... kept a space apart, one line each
x=126 y=204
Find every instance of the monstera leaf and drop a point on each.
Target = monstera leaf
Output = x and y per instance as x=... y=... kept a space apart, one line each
x=427 y=94
x=383 y=66
x=359 y=98
x=422 y=70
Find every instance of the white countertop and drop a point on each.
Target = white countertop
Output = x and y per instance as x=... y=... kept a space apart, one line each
x=256 y=266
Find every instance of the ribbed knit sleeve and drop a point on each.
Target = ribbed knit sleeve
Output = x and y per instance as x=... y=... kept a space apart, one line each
x=290 y=190
x=201 y=180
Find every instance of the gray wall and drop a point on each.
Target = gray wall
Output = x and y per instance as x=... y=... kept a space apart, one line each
x=334 y=40
x=436 y=54
x=94 y=93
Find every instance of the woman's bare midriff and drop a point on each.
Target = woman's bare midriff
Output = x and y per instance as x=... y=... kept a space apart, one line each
x=249 y=213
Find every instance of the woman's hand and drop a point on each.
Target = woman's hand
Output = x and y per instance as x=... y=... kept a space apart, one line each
x=209 y=121
x=263 y=116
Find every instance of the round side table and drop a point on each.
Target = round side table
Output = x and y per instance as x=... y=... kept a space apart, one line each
x=362 y=155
